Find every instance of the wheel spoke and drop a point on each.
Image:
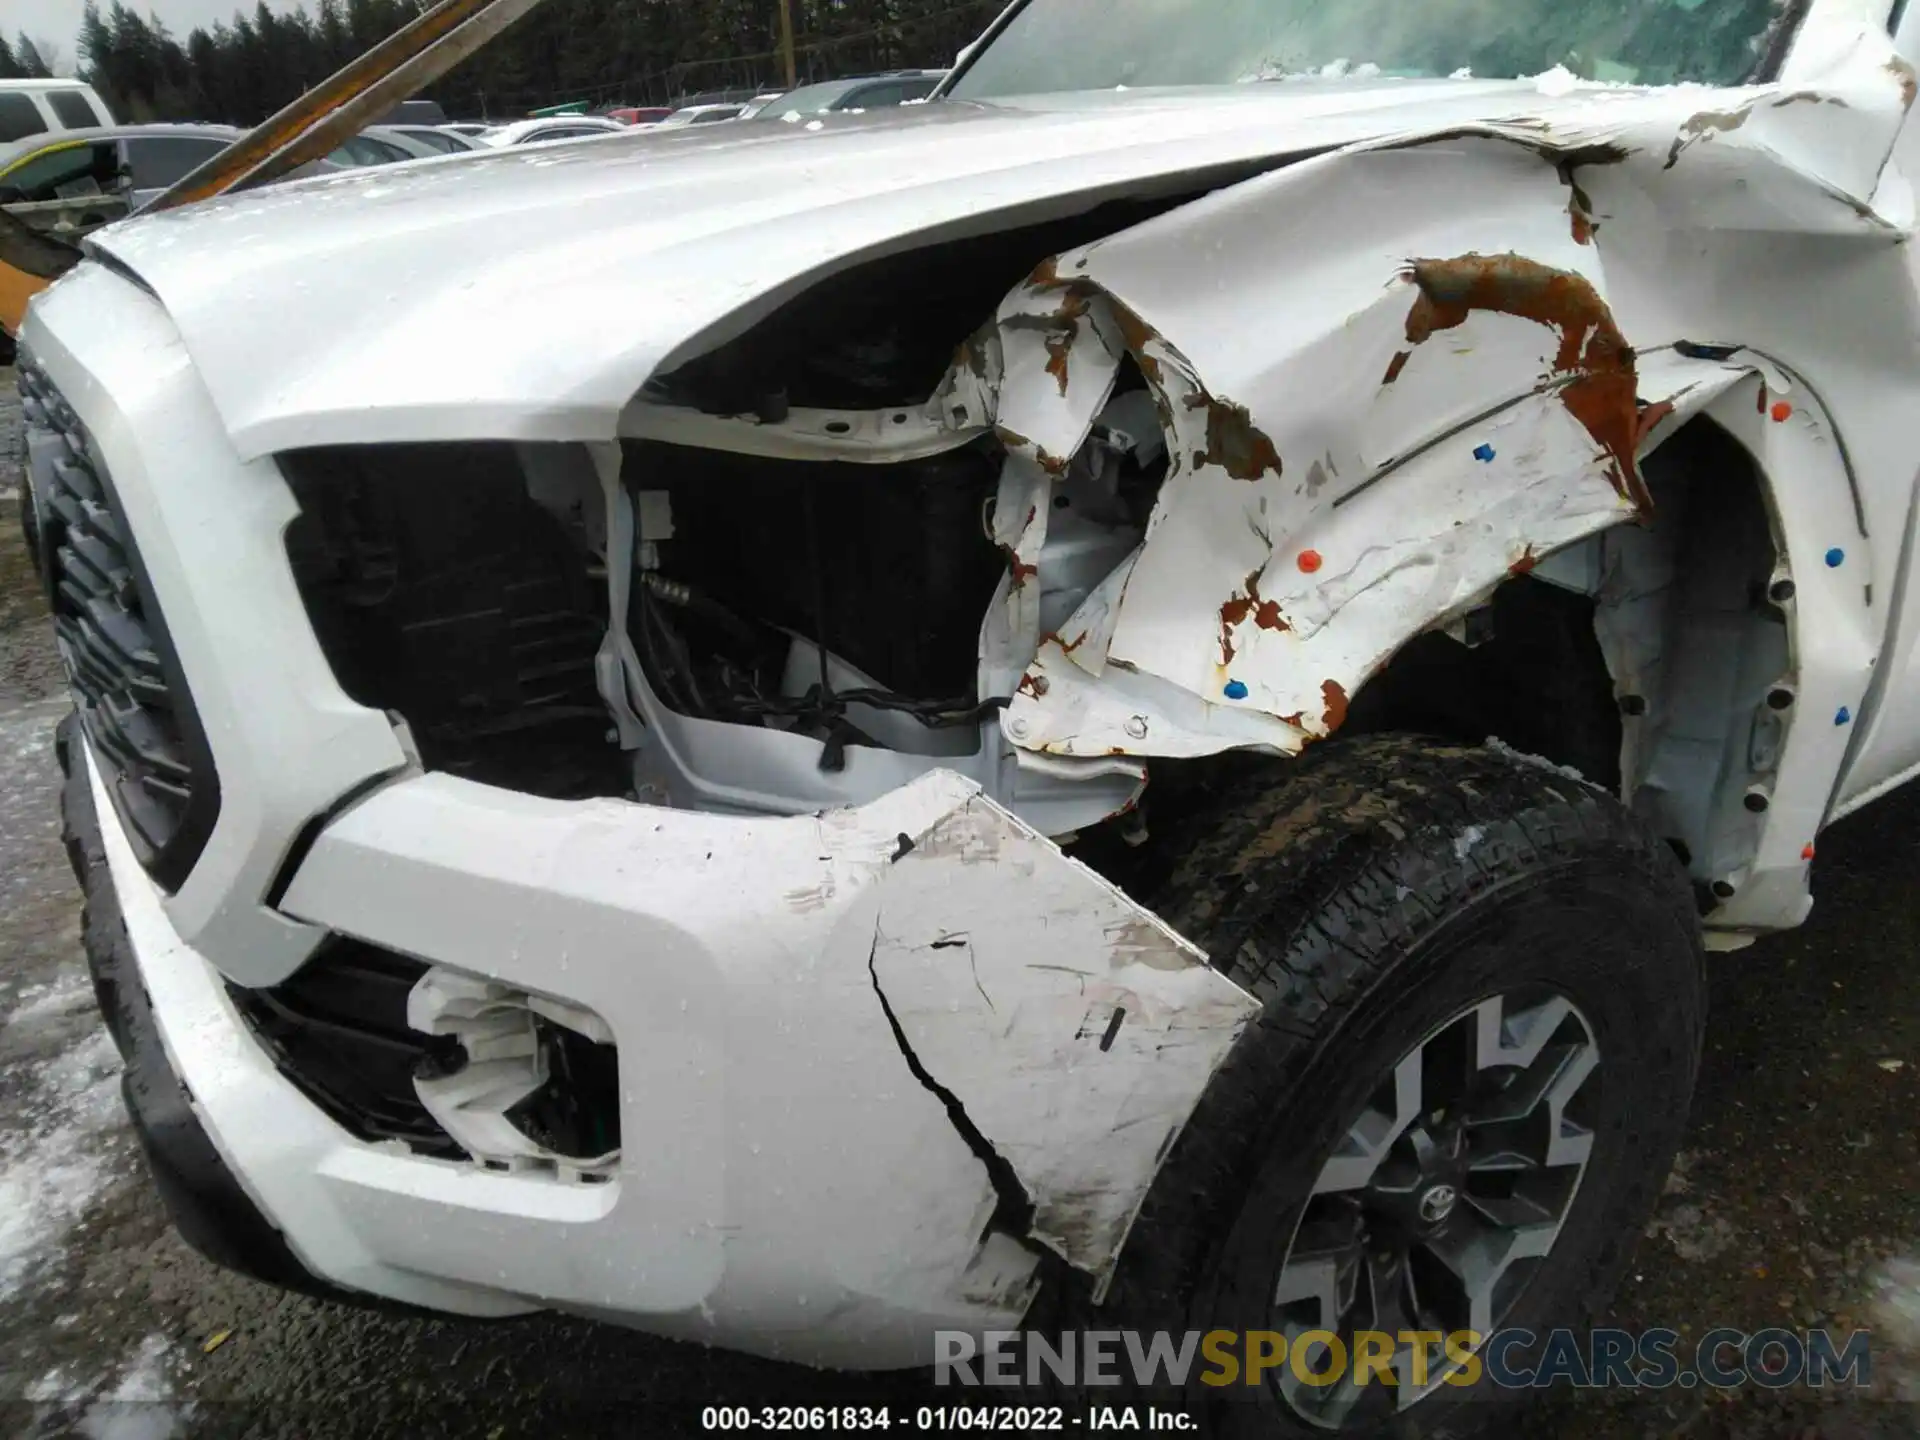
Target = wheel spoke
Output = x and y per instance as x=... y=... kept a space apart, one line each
x=1533 y=1085
x=1326 y=1405
x=1498 y=1149
x=1543 y=1073
x=1511 y=1212
x=1389 y=1283
x=1478 y=1255
x=1369 y=1138
x=1516 y=1040
x=1328 y=1280
x=1567 y=1142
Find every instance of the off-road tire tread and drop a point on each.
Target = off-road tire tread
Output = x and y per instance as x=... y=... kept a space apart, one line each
x=1353 y=850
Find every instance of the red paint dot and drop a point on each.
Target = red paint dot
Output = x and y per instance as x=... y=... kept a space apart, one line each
x=1781 y=410
x=1309 y=561
x=1806 y=852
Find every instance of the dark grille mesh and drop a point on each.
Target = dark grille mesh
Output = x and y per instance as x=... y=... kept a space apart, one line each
x=338 y=1030
x=126 y=682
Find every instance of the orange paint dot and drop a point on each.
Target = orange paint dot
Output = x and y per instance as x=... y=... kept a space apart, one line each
x=1309 y=561
x=1781 y=410
x=1806 y=852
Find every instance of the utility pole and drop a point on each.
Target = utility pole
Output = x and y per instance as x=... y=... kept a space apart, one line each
x=786 y=39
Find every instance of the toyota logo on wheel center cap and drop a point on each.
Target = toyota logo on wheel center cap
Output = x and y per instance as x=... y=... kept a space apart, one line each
x=1437 y=1203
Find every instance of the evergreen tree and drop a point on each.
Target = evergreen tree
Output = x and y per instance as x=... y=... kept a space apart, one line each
x=26 y=55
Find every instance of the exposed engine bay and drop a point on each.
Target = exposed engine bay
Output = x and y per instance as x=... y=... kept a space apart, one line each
x=869 y=641
x=834 y=607
x=874 y=639
x=831 y=602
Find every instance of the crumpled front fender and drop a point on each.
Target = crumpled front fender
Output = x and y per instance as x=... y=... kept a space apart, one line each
x=1420 y=400
x=1389 y=378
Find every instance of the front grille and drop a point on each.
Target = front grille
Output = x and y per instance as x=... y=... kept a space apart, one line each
x=127 y=684
x=338 y=1030
x=440 y=588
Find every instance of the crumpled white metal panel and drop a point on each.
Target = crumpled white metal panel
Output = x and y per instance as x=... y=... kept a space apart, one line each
x=1075 y=1027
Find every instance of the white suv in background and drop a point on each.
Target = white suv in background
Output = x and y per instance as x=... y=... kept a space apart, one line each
x=34 y=107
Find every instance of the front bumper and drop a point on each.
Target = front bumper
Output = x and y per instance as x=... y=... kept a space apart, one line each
x=209 y=1207
x=873 y=1065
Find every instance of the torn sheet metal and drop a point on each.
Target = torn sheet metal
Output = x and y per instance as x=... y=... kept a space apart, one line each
x=1059 y=355
x=1076 y=1055
x=1467 y=410
x=889 y=1071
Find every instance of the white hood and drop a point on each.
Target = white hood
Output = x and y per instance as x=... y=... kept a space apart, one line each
x=529 y=294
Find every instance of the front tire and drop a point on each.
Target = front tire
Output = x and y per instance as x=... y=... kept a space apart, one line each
x=1482 y=1005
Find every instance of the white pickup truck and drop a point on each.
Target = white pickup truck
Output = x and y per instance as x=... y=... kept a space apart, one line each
x=1124 y=699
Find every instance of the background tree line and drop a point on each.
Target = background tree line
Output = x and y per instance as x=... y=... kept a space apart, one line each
x=606 y=52
x=22 y=60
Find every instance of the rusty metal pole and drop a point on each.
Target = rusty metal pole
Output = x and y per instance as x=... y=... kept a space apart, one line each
x=350 y=99
x=786 y=39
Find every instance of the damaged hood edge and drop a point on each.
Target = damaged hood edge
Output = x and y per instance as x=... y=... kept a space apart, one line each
x=529 y=295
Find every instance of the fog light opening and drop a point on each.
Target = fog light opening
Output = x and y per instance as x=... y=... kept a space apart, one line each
x=527 y=1084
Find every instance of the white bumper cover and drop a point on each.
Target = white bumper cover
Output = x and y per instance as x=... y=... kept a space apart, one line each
x=799 y=1006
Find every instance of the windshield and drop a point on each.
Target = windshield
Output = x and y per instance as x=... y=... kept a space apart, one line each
x=1053 y=45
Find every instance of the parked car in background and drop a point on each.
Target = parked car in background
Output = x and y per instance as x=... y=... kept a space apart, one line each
x=738 y=96
x=414 y=112
x=66 y=183
x=640 y=114
x=861 y=92
x=367 y=148
x=470 y=129
x=421 y=141
x=557 y=127
x=37 y=107
x=701 y=115
x=148 y=158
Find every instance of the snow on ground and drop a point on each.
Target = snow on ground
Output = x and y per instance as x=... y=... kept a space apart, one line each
x=66 y=1143
x=64 y=1138
x=60 y=999
x=137 y=1404
x=134 y=1402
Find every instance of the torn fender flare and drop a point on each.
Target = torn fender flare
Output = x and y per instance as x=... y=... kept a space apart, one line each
x=1419 y=430
x=1290 y=646
x=868 y=1037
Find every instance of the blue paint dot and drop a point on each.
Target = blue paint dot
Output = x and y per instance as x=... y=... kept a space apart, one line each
x=1236 y=690
x=1483 y=453
x=1842 y=715
x=1836 y=557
